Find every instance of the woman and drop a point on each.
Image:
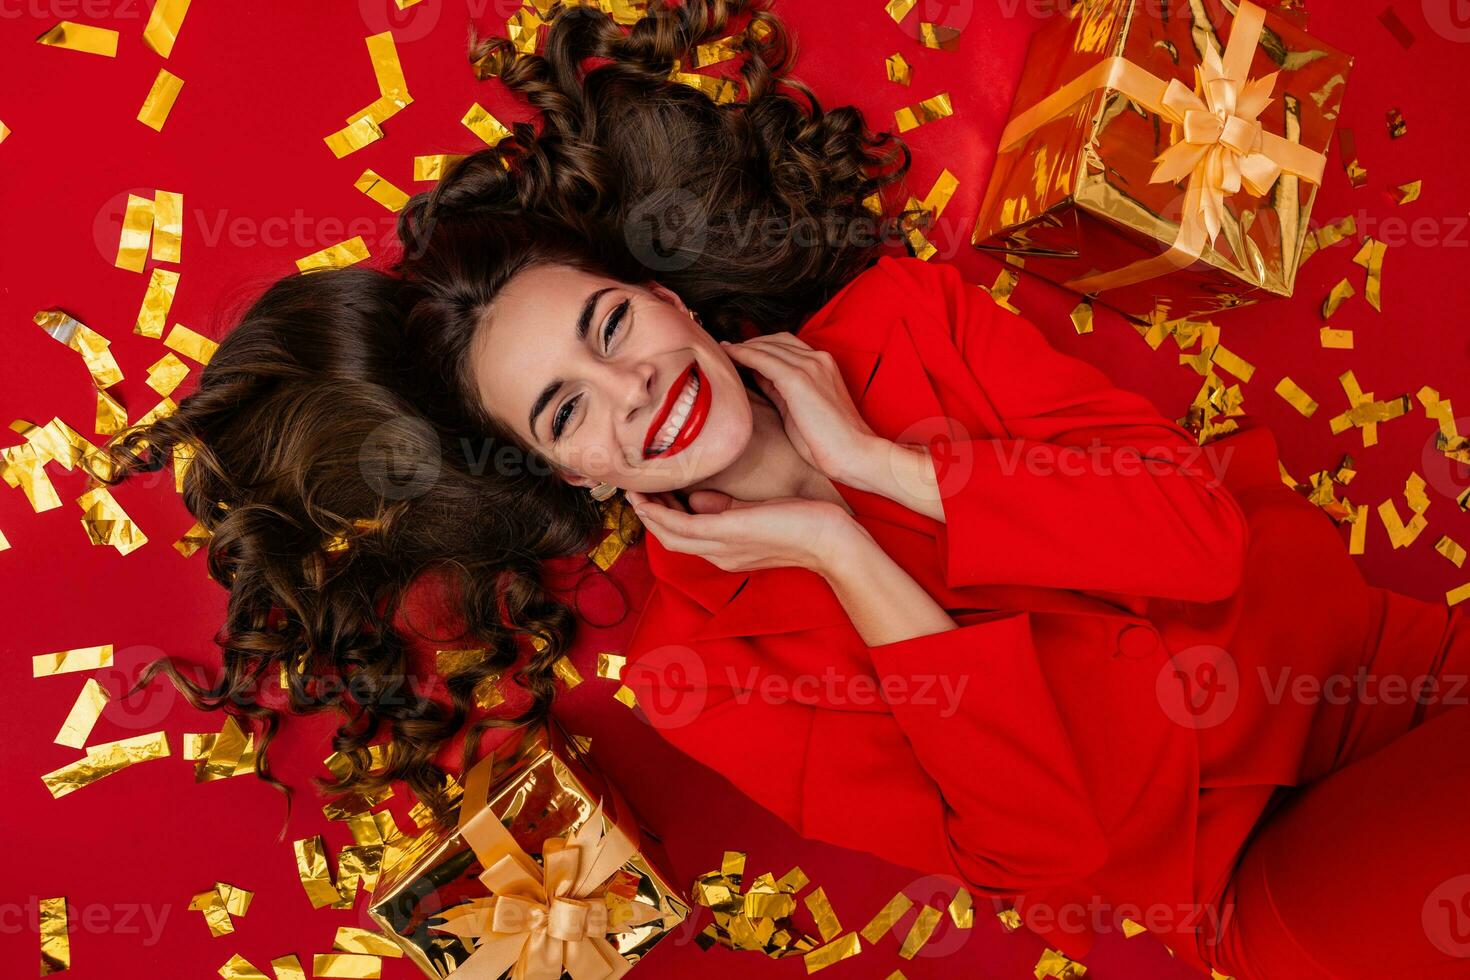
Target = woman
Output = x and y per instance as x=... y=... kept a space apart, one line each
x=911 y=494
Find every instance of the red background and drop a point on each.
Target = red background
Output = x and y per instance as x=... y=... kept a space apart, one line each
x=264 y=82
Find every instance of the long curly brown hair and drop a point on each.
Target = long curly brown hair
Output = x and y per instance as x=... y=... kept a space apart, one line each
x=339 y=452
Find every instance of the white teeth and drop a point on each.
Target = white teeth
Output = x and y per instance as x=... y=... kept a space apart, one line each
x=677 y=417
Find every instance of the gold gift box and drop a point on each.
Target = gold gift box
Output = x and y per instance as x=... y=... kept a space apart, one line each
x=543 y=787
x=1071 y=198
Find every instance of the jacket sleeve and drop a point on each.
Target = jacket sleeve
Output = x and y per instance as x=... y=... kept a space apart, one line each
x=968 y=771
x=1089 y=487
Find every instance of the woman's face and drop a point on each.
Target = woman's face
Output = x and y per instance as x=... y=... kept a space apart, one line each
x=612 y=383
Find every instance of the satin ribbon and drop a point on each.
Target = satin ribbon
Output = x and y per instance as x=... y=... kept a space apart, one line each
x=540 y=923
x=1219 y=148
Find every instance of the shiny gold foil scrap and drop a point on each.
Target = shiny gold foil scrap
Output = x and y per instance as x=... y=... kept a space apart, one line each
x=1131 y=929
x=4 y=131
x=1082 y=317
x=216 y=916
x=1005 y=284
x=479 y=121
x=1333 y=339
x=104 y=760
x=153 y=314
x=1451 y=550
x=350 y=939
x=899 y=70
x=962 y=909
x=792 y=881
x=4 y=542
x=137 y=229
x=1348 y=146
x=920 y=931
x=236 y=899
x=1457 y=595
x=833 y=952
x=83 y=715
x=1370 y=257
x=625 y=696
x=355 y=803
x=338 y=256
x=1397 y=124
x=69 y=661
x=81 y=37
x=821 y=910
x=353 y=137
x=106 y=523
x=1408 y=193
x=1010 y=920
x=889 y=914
x=1294 y=396
x=225 y=753
x=899 y=9
x=940 y=193
x=714 y=52
x=449 y=662
x=160 y=100
x=349 y=965
x=311 y=868
x=238 y=967
x=732 y=865
x=381 y=190
x=1340 y=294
x=387 y=69
x=1054 y=964
x=84 y=340
x=168 y=226
x=569 y=675
x=1233 y=363
x=608 y=551
x=166 y=374
x=55 y=936
x=162 y=410
x=610 y=665
x=164 y=24
x=938 y=37
x=288 y=968
x=195 y=538
x=912 y=117
x=434 y=166
x=359 y=865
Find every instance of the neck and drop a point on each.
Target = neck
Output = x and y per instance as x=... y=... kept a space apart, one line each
x=770 y=466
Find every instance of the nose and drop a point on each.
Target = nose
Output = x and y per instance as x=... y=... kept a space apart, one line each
x=633 y=389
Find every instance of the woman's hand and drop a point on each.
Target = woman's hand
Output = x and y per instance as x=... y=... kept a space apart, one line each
x=740 y=536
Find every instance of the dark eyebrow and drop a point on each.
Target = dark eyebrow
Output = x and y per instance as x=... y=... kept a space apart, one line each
x=584 y=323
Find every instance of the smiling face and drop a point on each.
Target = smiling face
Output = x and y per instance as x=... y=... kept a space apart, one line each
x=610 y=382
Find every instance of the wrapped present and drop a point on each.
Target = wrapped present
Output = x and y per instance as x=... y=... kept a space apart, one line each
x=544 y=875
x=1164 y=154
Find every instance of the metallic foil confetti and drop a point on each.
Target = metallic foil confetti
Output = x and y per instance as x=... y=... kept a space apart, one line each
x=1340 y=294
x=714 y=52
x=239 y=968
x=1010 y=920
x=435 y=166
x=237 y=900
x=311 y=868
x=392 y=88
x=224 y=755
x=351 y=965
x=898 y=69
x=1296 y=397
x=69 y=661
x=624 y=695
x=912 y=117
x=1082 y=317
x=962 y=909
x=353 y=137
x=449 y=662
x=55 y=936
x=4 y=542
x=1451 y=550
x=914 y=219
x=162 y=410
x=137 y=228
x=1408 y=193
x=1131 y=929
x=1336 y=339
x=288 y=968
x=1005 y=285
x=523 y=28
x=4 y=132
x=1054 y=964
x=920 y=931
x=1232 y=362
x=721 y=90
x=353 y=940
x=834 y=952
x=1397 y=124
x=153 y=314
x=1348 y=146
x=216 y=916
x=1370 y=257
x=1457 y=595
x=160 y=100
x=104 y=760
x=886 y=917
x=164 y=24
x=338 y=256
x=106 y=523
x=939 y=37
x=568 y=674
x=940 y=193
x=168 y=226
x=381 y=190
x=610 y=665
x=758 y=920
x=899 y=9
x=81 y=37
x=822 y=913
x=83 y=715
x=166 y=374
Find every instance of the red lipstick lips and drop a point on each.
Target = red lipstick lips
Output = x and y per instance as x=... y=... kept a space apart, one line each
x=692 y=424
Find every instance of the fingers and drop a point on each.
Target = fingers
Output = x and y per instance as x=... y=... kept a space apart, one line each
x=664 y=524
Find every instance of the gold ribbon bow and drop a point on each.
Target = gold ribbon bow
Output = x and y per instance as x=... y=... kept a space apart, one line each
x=538 y=923
x=1219 y=145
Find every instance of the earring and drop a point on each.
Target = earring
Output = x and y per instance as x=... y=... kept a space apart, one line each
x=695 y=317
x=603 y=491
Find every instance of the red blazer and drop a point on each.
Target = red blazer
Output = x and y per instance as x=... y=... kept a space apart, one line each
x=1102 y=740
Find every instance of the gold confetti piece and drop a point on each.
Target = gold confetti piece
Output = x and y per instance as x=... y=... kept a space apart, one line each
x=822 y=913
x=1131 y=929
x=920 y=932
x=353 y=137
x=896 y=975
x=168 y=226
x=1370 y=257
x=4 y=542
x=563 y=669
x=449 y=662
x=4 y=132
x=1010 y=919
x=1082 y=317
x=899 y=9
x=912 y=117
x=164 y=24
x=1054 y=964
x=834 y=952
x=886 y=917
x=962 y=909
x=388 y=70
x=624 y=695
x=216 y=916
x=1005 y=285
x=1451 y=550
x=940 y=194
x=166 y=374
x=192 y=345
x=237 y=900
x=338 y=256
x=381 y=190
x=106 y=523
x=1397 y=124
x=351 y=965
x=898 y=69
x=610 y=665
x=1408 y=193
x=81 y=37
x=732 y=865
x=1456 y=596
x=137 y=228
x=83 y=715
x=1295 y=397
x=1336 y=339
x=1340 y=294
x=353 y=940
x=69 y=661
x=104 y=760
x=938 y=37
x=1348 y=146
x=160 y=100
x=288 y=968
x=311 y=868
x=153 y=314
x=239 y=968
x=55 y=937
x=225 y=754
x=480 y=122
x=435 y=166
x=1232 y=362
x=792 y=881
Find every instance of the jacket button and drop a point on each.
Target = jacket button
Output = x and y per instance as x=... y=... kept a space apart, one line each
x=1138 y=641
